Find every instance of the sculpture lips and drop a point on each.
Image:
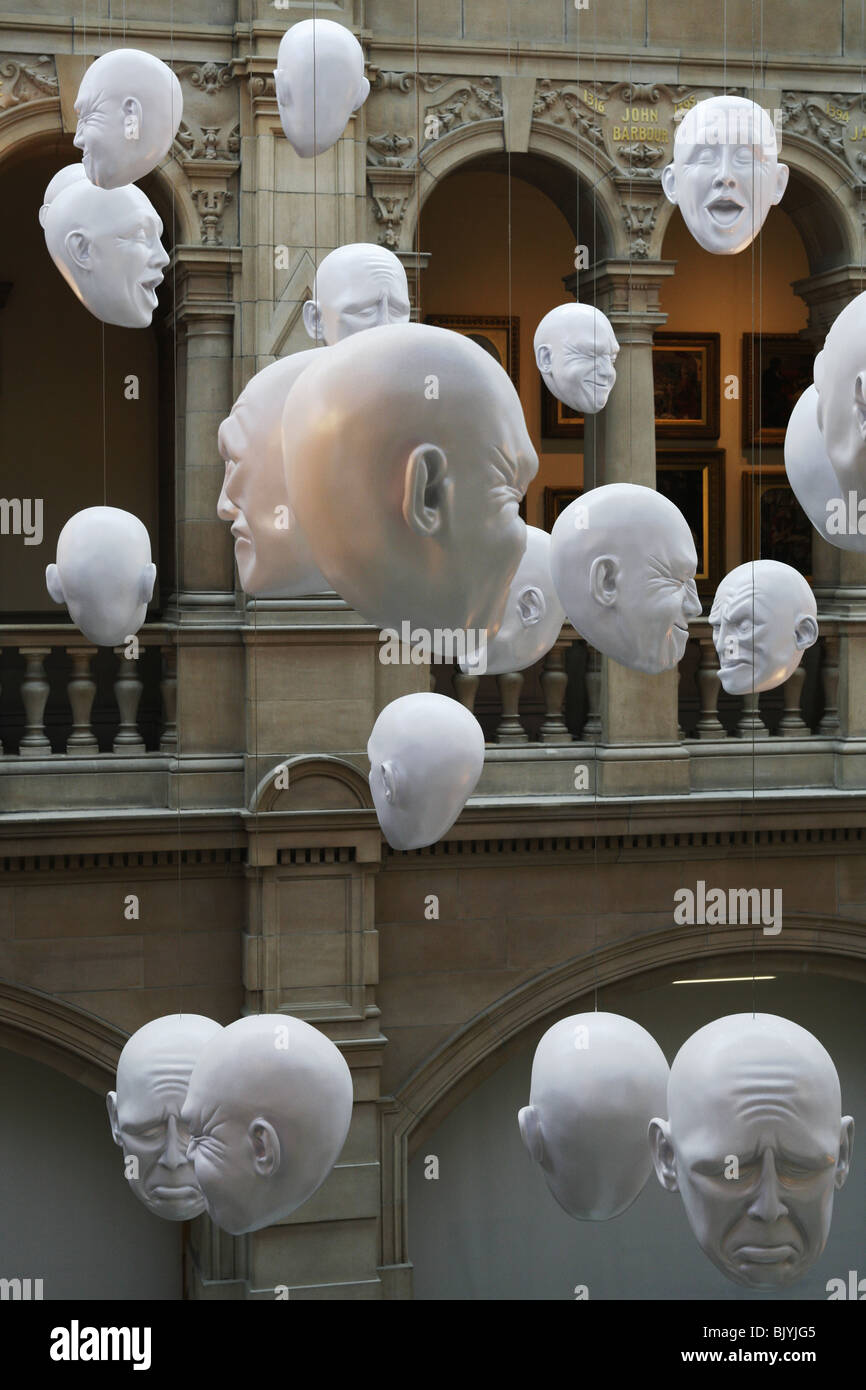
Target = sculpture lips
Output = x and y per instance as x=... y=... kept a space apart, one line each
x=766 y=1254
x=724 y=210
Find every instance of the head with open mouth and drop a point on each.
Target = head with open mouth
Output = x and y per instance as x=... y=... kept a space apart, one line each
x=725 y=174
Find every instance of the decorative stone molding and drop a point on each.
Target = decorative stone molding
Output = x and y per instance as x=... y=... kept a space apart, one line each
x=563 y=104
x=210 y=204
x=22 y=80
x=207 y=77
x=382 y=80
x=208 y=142
x=477 y=100
x=391 y=191
x=831 y=122
x=390 y=149
x=639 y=219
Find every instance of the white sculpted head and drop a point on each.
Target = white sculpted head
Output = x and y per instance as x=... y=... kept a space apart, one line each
x=575 y=350
x=153 y=1073
x=319 y=81
x=358 y=286
x=756 y=1144
x=129 y=107
x=104 y=574
x=271 y=551
x=763 y=618
x=426 y=755
x=725 y=174
x=533 y=616
x=623 y=562
x=597 y=1081
x=837 y=512
x=268 y=1110
x=106 y=246
x=840 y=381
x=406 y=458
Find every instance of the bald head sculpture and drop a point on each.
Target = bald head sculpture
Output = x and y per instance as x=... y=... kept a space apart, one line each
x=533 y=616
x=763 y=618
x=575 y=351
x=103 y=573
x=840 y=382
x=268 y=1110
x=406 y=457
x=153 y=1073
x=756 y=1144
x=623 y=563
x=129 y=107
x=319 y=81
x=357 y=286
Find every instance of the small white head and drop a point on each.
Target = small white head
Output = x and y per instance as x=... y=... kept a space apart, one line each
x=319 y=81
x=104 y=574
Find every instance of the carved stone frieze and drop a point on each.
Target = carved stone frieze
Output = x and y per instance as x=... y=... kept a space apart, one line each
x=384 y=81
x=390 y=149
x=206 y=77
x=639 y=219
x=25 y=78
x=210 y=204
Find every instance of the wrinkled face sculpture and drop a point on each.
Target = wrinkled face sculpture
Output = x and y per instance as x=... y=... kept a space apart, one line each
x=406 y=457
x=756 y=1144
x=837 y=512
x=575 y=349
x=840 y=381
x=426 y=755
x=268 y=1110
x=597 y=1080
x=533 y=615
x=106 y=246
x=103 y=574
x=272 y=554
x=623 y=562
x=144 y=1112
x=763 y=617
x=725 y=174
x=319 y=81
x=359 y=286
x=129 y=107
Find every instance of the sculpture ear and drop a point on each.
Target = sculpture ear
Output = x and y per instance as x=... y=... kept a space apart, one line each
x=77 y=246
x=543 y=358
x=531 y=606
x=805 y=631
x=266 y=1147
x=148 y=579
x=389 y=781
x=818 y=366
x=43 y=214
x=782 y=174
x=282 y=88
x=846 y=1150
x=53 y=583
x=426 y=490
x=603 y=574
x=312 y=316
x=669 y=183
x=531 y=1133
x=363 y=93
x=111 y=1107
x=662 y=1150
x=131 y=117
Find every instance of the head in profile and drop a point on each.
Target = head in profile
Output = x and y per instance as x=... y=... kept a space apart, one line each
x=426 y=755
x=623 y=562
x=106 y=245
x=725 y=174
x=268 y=1109
x=319 y=81
x=104 y=574
x=153 y=1073
x=840 y=383
x=597 y=1080
x=533 y=615
x=756 y=1144
x=272 y=554
x=357 y=287
x=763 y=618
x=406 y=458
x=575 y=350
x=129 y=107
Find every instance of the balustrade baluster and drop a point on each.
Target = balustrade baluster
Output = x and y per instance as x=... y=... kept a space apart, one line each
x=127 y=693
x=830 y=725
x=792 y=724
x=34 y=695
x=554 y=684
x=168 y=690
x=750 y=724
x=509 y=729
x=709 y=725
x=81 y=691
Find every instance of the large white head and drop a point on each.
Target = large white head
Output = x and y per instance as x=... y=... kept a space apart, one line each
x=129 y=107
x=623 y=562
x=426 y=755
x=153 y=1073
x=836 y=512
x=533 y=616
x=840 y=383
x=406 y=458
x=106 y=245
x=271 y=551
x=104 y=574
x=763 y=618
x=319 y=81
x=575 y=350
x=268 y=1109
x=597 y=1081
x=725 y=174
x=756 y=1144
x=358 y=286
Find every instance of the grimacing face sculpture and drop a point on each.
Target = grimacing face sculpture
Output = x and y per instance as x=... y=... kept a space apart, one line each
x=725 y=174
x=268 y=1109
x=756 y=1144
x=104 y=574
x=623 y=563
x=272 y=554
x=406 y=456
x=357 y=287
x=837 y=512
x=533 y=615
x=129 y=107
x=575 y=351
x=763 y=618
x=153 y=1073
x=319 y=81
x=840 y=383
x=106 y=245
x=597 y=1080
x=426 y=755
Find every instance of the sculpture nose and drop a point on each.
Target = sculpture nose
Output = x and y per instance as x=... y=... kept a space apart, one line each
x=226 y=509
x=692 y=605
x=173 y=1155
x=767 y=1205
x=78 y=142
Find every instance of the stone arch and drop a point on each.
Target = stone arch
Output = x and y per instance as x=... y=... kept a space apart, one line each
x=316 y=782
x=61 y=1036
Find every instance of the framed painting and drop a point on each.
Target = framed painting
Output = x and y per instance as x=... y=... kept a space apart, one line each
x=776 y=372
x=558 y=421
x=556 y=499
x=693 y=481
x=775 y=527
x=686 y=385
x=500 y=336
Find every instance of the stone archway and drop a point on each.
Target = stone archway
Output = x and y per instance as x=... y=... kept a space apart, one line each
x=65 y=1038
